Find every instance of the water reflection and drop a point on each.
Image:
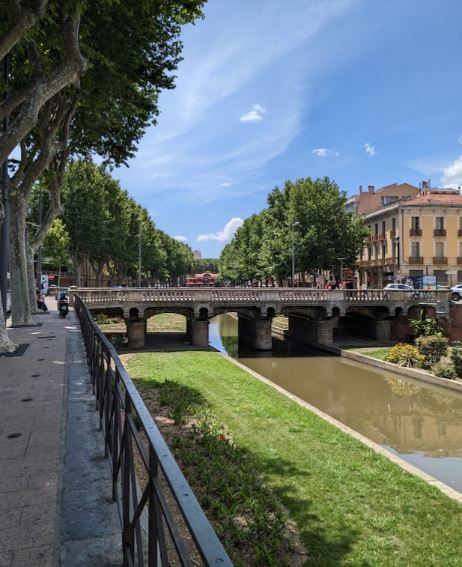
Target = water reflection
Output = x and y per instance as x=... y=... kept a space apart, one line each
x=421 y=423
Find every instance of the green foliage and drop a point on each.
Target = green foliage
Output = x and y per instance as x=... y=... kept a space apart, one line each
x=56 y=244
x=309 y=212
x=444 y=369
x=107 y=232
x=103 y=319
x=119 y=341
x=247 y=516
x=425 y=327
x=432 y=347
x=406 y=355
x=202 y=265
x=456 y=357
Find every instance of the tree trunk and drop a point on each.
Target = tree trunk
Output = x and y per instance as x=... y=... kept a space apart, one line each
x=31 y=279
x=6 y=344
x=21 y=313
x=59 y=274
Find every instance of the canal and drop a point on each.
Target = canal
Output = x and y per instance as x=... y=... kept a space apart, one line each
x=419 y=422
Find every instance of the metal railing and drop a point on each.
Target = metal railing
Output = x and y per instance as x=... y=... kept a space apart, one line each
x=162 y=522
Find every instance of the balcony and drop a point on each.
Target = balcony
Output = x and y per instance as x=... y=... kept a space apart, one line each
x=382 y=236
x=415 y=232
x=440 y=260
x=459 y=261
x=459 y=232
x=415 y=260
x=439 y=232
x=392 y=233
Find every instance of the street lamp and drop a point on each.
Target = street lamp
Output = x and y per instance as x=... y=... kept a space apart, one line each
x=294 y=224
x=341 y=268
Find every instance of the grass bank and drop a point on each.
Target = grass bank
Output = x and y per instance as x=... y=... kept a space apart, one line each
x=162 y=323
x=351 y=505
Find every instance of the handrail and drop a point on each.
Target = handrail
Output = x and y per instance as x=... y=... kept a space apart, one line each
x=163 y=540
x=156 y=296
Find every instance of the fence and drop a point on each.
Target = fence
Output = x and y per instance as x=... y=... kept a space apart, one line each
x=162 y=522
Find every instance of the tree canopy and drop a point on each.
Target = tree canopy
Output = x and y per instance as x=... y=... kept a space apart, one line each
x=312 y=214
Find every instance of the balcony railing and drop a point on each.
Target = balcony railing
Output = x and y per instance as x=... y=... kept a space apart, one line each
x=415 y=260
x=440 y=260
x=459 y=232
x=392 y=233
x=163 y=523
x=459 y=260
x=415 y=232
x=439 y=232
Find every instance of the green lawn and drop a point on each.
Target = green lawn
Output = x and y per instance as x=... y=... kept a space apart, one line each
x=164 y=322
x=379 y=354
x=351 y=505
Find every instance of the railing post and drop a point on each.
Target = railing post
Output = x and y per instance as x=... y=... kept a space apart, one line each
x=128 y=540
x=153 y=517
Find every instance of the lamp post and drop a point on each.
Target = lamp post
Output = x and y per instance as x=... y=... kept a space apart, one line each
x=341 y=267
x=4 y=232
x=294 y=224
x=139 y=256
x=39 y=251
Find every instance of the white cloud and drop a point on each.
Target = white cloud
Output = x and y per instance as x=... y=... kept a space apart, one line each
x=225 y=184
x=369 y=149
x=324 y=152
x=181 y=238
x=254 y=115
x=452 y=174
x=223 y=235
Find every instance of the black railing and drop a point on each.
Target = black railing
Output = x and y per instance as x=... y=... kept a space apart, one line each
x=162 y=522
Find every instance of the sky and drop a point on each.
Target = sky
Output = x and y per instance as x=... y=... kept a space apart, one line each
x=367 y=92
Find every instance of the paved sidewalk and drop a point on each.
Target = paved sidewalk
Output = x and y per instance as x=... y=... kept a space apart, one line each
x=34 y=439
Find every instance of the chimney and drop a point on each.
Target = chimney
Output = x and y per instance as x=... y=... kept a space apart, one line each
x=371 y=188
x=360 y=189
x=425 y=185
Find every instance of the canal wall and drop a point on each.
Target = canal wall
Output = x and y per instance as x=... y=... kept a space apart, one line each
x=450 y=492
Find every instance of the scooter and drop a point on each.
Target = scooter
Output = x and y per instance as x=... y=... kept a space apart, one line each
x=63 y=305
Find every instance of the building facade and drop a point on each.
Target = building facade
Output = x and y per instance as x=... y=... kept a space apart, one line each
x=413 y=237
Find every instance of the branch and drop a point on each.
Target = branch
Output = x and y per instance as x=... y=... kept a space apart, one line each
x=25 y=19
x=42 y=91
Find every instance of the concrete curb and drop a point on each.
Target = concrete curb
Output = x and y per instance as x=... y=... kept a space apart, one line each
x=421 y=375
x=450 y=492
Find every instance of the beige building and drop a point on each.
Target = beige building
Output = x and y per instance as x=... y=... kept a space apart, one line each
x=414 y=236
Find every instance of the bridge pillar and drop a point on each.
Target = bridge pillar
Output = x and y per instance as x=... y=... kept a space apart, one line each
x=255 y=332
x=382 y=330
x=302 y=329
x=199 y=333
x=136 y=333
x=325 y=331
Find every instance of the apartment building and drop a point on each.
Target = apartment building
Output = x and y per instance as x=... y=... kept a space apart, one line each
x=415 y=235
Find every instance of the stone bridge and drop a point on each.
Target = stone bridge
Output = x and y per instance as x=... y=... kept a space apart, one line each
x=313 y=314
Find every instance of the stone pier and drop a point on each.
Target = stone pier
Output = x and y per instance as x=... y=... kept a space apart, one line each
x=311 y=331
x=198 y=332
x=255 y=332
x=136 y=333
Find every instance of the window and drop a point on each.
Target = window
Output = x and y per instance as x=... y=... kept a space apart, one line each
x=441 y=277
x=415 y=223
x=384 y=250
x=415 y=249
x=460 y=223
x=376 y=228
x=369 y=253
x=383 y=227
x=460 y=248
x=393 y=224
x=439 y=223
x=439 y=249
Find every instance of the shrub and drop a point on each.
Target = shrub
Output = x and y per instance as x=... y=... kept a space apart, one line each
x=119 y=341
x=456 y=358
x=403 y=354
x=425 y=327
x=445 y=369
x=433 y=348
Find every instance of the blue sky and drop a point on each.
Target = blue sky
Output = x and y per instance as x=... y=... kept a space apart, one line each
x=364 y=91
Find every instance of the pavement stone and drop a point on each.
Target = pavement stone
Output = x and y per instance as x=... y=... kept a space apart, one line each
x=55 y=485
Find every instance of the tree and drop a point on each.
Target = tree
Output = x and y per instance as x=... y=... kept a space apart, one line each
x=56 y=246
x=313 y=211
x=61 y=102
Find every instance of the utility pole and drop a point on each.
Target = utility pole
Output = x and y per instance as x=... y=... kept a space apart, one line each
x=4 y=231
x=39 y=252
x=294 y=224
x=341 y=268
x=139 y=256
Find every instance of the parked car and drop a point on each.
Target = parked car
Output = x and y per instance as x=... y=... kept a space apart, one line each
x=399 y=287
x=456 y=292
